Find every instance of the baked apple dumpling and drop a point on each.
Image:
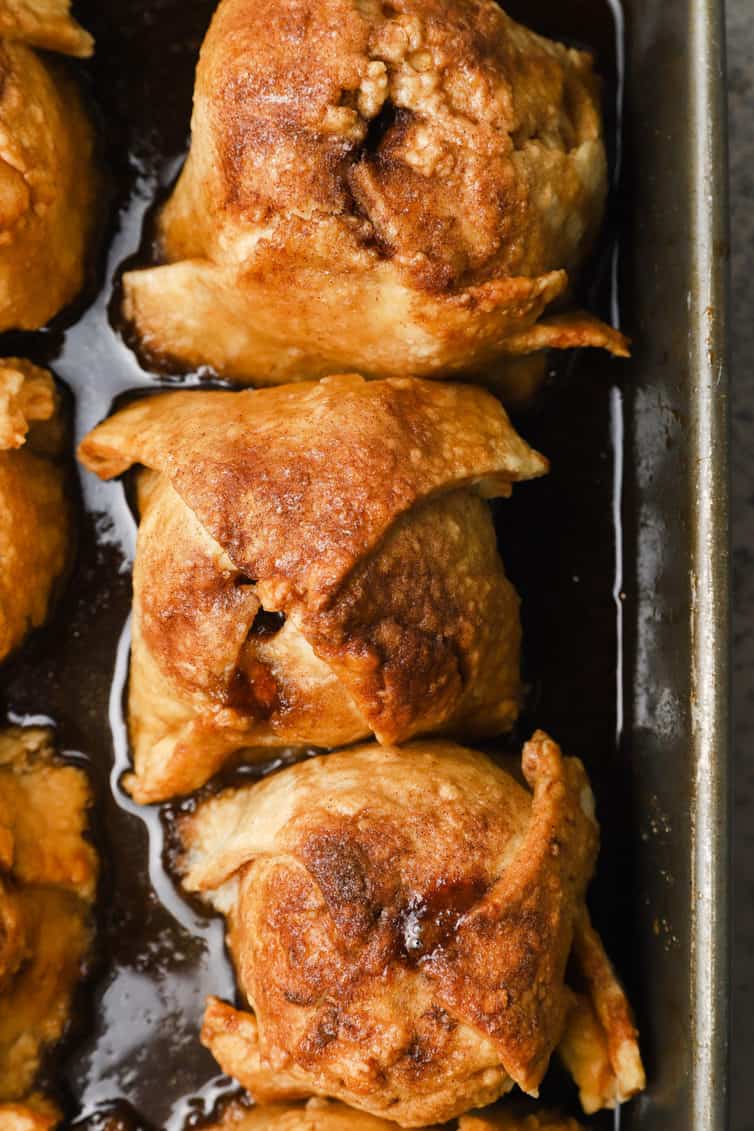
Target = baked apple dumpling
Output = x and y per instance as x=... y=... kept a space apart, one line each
x=48 y=876
x=35 y=517
x=401 y=920
x=398 y=188
x=316 y=563
x=47 y=173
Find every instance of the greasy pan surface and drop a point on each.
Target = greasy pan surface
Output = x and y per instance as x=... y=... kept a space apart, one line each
x=620 y=556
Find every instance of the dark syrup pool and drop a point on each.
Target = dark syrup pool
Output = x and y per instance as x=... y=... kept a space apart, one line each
x=133 y=1049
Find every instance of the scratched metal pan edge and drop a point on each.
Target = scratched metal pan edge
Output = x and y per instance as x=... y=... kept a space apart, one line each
x=676 y=548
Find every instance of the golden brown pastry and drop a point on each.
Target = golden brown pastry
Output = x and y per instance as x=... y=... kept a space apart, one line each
x=399 y=188
x=316 y=1115
x=599 y=1044
x=48 y=873
x=47 y=179
x=34 y=513
x=315 y=564
x=503 y=1120
x=400 y=921
x=37 y=1113
x=324 y=1115
x=45 y=23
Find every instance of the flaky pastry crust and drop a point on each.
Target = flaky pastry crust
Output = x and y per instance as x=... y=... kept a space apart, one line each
x=397 y=188
x=599 y=1047
x=324 y=1115
x=47 y=177
x=315 y=564
x=48 y=873
x=34 y=512
x=400 y=921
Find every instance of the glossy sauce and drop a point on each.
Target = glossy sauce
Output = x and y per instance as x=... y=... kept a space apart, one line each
x=134 y=1046
x=427 y=924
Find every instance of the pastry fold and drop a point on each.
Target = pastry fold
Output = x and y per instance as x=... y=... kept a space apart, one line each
x=35 y=516
x=401 y=921
x=48 y=874
x=47 y=175
x=398 y=189
x=315 y=563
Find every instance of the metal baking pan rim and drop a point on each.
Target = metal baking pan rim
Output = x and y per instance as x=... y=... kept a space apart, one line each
x=709 y=565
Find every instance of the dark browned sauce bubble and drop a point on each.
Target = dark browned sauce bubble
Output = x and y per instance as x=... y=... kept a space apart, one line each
x=426 y=924
x=134 y=1050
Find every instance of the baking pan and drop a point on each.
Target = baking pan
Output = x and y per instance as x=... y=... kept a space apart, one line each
x=676 y=550
x=620 y=556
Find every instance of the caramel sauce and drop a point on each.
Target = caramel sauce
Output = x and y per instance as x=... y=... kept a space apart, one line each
x=428 y=921
x=133 y=1050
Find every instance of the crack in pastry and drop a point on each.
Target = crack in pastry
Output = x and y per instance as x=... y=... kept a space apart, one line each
x=315 y=563
x=398 y=189
x=47 y=177
x=35 y=515
x=400 y=921
x=48 y=875
x=324 y=1115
